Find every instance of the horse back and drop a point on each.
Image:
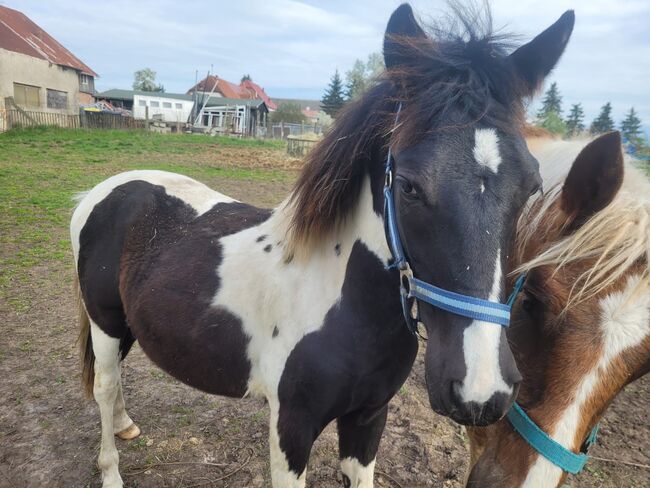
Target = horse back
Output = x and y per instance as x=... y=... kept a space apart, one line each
x=149 y=259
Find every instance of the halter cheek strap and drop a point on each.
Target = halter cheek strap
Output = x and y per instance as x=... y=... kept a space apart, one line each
x=539 y=440
x=413 y=290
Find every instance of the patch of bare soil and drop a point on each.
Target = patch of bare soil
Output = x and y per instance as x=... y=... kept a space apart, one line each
x=49 y=434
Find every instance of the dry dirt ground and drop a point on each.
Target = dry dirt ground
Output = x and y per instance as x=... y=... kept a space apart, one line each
x=49 y=434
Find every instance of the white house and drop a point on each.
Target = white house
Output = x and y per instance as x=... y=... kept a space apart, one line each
x=170 y=107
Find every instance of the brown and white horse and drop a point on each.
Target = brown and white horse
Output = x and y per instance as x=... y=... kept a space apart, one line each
x=581 y=329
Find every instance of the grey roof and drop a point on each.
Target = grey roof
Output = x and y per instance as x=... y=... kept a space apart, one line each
x=118 y=94
x=223 y=101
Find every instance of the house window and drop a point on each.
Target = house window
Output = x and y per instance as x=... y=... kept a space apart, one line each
x=154 y=104
x=27 y=95
x=86 y=83
x=57 y=99
x=179 y=106
x=167 y=104
x=142 y=103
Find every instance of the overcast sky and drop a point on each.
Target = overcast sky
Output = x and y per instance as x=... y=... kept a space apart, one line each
x=292 y=47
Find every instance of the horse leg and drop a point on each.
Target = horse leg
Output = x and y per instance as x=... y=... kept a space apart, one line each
x=123 y=426
x=358 y=443
x=105 y=390
x=291 y=436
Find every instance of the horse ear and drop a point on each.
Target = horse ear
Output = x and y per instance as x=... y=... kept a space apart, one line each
x=594 y=179
x=535 y=60
x=400 y=25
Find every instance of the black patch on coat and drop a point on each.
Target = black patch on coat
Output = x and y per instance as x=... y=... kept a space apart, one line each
x=276 y=331
x=268 y=248
x=337 y=249
x=261 y=238
x=369 y=354
x=146 y=257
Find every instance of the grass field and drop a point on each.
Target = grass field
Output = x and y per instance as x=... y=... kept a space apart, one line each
x=49 y=434
x=42 y=168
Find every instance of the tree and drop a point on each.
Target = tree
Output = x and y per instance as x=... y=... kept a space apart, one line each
x=288 y=112
x=552 y=102
x=548 y=116
x=362 y=75
x=355 y=80
x=631 y=126
x=575 y=122
x=333 y=99
x=375 y=65
x=603 y=122
x=554 y=124
x=246 y=77
x=145 y=80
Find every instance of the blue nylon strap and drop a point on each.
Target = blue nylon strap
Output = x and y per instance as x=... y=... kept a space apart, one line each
x=473 y=308
x=563 y=458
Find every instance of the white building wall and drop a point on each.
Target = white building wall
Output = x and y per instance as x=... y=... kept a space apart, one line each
x=179 y=111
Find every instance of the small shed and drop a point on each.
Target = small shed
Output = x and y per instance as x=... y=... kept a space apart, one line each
x=234 y=116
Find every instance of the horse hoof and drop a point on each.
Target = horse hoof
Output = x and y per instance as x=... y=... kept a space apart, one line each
x=129 y=433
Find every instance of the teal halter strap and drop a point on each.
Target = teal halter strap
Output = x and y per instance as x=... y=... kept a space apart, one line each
x=539 y=440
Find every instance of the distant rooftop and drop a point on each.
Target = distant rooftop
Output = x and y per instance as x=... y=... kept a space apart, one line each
x=19 y=34
x=119 y=94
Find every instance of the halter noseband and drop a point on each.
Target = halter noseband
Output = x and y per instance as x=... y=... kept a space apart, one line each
x=413 y=289
x=539 y=440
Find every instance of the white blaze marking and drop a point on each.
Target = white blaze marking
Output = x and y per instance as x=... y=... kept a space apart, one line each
x=360 y=476
x=486 y=149
x=624 y=323
x=481 y=351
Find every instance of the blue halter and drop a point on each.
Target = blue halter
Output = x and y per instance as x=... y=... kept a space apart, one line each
x=413 y=289
x=555 y=452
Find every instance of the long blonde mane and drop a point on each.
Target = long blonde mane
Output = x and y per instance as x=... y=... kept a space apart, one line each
x=615 y=239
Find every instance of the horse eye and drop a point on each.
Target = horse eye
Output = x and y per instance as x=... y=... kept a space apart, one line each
x=407 y=188
x=528 y=303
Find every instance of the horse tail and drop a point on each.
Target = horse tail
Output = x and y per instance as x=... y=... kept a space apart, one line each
x=85 y=344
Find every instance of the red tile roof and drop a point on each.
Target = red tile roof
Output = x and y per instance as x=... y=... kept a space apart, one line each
x=247 y=90
x=259 y=93
x=219 y=85
x=19 y=34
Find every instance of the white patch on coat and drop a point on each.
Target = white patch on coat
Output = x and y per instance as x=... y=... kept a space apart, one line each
x=281 y=475
x=625 y=323
x=106 y=388
x=196 y=194
x=486 y=149
x=481 y=342
x=360 y=476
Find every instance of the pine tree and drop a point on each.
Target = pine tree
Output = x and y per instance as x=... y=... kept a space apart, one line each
x=603 y=122
x=333 y=99
x=631 y=126
x=575 y=122
x=548 y=116
x=552 y=102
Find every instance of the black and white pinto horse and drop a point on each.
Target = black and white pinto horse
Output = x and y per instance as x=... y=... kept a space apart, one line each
x=300 y=304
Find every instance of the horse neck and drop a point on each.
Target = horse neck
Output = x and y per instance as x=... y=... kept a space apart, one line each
x=362 y=224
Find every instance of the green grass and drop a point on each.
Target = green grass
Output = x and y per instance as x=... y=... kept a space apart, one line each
x=41 y=168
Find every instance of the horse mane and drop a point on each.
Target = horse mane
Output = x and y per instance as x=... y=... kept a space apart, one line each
x=613 y=241
x=457 y=76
